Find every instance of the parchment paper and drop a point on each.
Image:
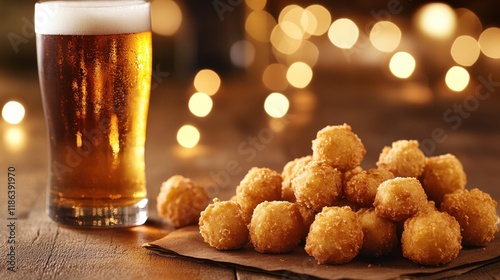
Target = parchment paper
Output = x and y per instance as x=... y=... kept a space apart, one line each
x=187 y=242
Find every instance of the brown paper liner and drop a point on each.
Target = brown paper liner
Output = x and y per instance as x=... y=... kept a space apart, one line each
x=188 y=243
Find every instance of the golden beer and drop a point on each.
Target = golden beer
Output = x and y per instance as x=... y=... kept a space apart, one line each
x=95 y=90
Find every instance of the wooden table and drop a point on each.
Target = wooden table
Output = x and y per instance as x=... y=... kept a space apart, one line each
x=45 y=250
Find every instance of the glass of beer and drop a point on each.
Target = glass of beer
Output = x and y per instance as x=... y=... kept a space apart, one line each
x=94 y=65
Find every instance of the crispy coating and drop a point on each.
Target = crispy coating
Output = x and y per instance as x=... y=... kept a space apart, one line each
x=308 y=215
x=361 y=188
x=400 y=198
x=276 y=227
x=475 y=211
x=335 y=236
x=222 y=225
x=339 y=147
x=346 y=176
x=442 y=174
x=258 y=185
x=180 y=201
x=290 y=171
x=404 y=159
x=379 y=234
x=318 y=185
x=431 y=238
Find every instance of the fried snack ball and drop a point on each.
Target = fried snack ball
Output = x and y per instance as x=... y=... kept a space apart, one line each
x=290 y=171
x=308 y=215
x=318 y=185
x=346 y=176
x=379 y=234
x=339 y=147
x=442 y=174
x=180 y=201
x=431 y=238
x=222 y=225
x=400 y=198
x=276 y=227
x=335 y=236
x=361 y=188
x=404 y=159
x=475 y=211
x=258 y=185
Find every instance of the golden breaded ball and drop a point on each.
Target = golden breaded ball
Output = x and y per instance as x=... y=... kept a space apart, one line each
x=361 y=188
x=222 y=225
x=431 y=238
x=290 y=171
x=339 y=147
x=346 y=176
x=400 y=198
x=379 y=234
x=318 y=185
x=335 y=236
x=276 y=227
x=442 y=174
x=475 y=211
x=258 y=185
x=308 y=215
x=404 y=159
x=180 y=201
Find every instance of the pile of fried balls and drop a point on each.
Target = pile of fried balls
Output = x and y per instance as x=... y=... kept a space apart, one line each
x=326 y=201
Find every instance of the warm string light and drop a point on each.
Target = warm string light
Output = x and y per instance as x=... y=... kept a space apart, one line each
x=207 y=82
x=290 y=37
x=402 y=65
x=166 y=17
x=13 y=112
x=437 y=20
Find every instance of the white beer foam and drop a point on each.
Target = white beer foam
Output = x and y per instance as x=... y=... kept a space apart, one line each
x=92 y=17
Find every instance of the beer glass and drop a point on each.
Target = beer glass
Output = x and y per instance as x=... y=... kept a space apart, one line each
x=94 y=65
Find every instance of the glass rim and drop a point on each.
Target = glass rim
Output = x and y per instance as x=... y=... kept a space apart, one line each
x=92 y=17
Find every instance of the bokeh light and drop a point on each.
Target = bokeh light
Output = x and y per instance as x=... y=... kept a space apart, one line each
x=188 y=136
x=207 y=81
x=437 y=20
x=299 y=74
x=242 y=53
x=13 y=112
x=276 y=105
x=316 y=20
x=15 y=138
x=468 y=23
x=282 y=42
x=166 y=17
x=385 y=36
x=292 y=30
x=200 y=104
x=402 y=65
x=256 y=4
x=489 y=41
x=343 y=33
x=292 y=15
x=457 y=78
x=274 y=77
x=308 y=53
x=259 y=25
x=465 y=50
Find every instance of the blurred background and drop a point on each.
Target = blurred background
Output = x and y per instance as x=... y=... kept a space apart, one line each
x=253 y=80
